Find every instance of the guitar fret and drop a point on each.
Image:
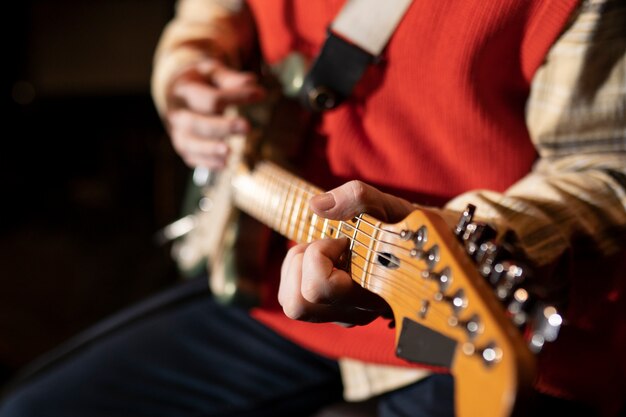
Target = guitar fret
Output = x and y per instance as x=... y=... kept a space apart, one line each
x=283 y=189
x=289 y=208
x=275 y=203
x=263 y=190
x=354 y=232
x=339 y=226
x=281 y=200
x=302 y=206
x=269 y=196
x=285 y=209
x=280 y=206
x=294 y=219
x=308 y=214
x=312 y=227
x=370 y=250
x=279 y=203
x=324 y=227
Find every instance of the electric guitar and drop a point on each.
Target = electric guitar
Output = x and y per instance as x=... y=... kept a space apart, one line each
x=456 y=297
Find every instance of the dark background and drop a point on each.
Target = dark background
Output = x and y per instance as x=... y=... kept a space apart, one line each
x=87 y=174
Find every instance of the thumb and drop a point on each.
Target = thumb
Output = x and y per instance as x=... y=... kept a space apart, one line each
x=356 y=197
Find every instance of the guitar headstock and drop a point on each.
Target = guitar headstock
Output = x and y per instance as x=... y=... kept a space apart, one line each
x=458 y=303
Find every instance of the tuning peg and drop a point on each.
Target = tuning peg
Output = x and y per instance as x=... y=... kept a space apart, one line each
x=475 y=234
x=419 y=238
x=464 y=220
x=472 y=326
x=443 y=278
x=486 y=256
x=520 y=304
x=430 y=256
x=505 y=276
x=458 y=300
x=545 y=328
x=490 y=354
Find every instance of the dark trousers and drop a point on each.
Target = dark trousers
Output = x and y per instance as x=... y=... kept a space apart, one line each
x=182 y=354
x=188 y=356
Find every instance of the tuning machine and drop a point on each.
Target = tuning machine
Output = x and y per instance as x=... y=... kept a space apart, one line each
x=504 y=266
x=466 y=218
x=545 y=326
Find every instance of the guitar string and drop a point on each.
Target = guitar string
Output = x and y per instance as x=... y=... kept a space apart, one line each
x=300 y=224
x=291 y=184
x=424 y=292
x=309 y=192
x=442 y=311
x=438 y=309
x=423 y=289
x=400 y=285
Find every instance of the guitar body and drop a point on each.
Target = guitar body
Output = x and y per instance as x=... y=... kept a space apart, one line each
x=224 y=243
x=229 y=244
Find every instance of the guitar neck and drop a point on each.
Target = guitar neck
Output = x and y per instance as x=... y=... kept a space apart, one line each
x=281 y=201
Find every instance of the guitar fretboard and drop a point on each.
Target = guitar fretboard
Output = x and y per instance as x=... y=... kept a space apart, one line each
x=281 y=200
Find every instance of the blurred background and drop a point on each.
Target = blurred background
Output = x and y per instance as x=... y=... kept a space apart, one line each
x=87 y=174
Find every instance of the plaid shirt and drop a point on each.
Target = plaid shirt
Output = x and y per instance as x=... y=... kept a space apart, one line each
x=573 y=200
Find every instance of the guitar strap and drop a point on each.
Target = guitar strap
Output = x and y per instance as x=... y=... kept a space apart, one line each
x=356 y=38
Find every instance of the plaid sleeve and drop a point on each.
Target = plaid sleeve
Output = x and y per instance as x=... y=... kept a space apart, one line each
x=575 y=196
x=200 y=29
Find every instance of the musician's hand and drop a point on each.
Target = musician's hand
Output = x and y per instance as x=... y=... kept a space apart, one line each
x=312 y=287
x=196 y=120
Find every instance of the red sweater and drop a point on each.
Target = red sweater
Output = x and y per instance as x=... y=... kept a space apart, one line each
x=443 y=113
